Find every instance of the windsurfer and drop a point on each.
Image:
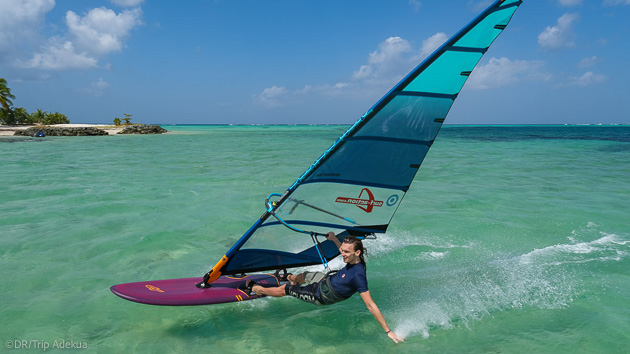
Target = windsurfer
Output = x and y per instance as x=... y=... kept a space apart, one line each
x=325 y=289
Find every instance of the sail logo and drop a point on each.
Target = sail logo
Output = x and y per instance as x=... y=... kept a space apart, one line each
x=364 y=204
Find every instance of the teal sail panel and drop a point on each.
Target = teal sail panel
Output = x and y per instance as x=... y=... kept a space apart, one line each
x=357 y=185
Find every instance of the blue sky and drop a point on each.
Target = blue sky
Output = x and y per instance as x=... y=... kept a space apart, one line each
x=306 y=62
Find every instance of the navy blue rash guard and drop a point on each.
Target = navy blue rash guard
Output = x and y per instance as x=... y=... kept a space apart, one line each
x=349 y=280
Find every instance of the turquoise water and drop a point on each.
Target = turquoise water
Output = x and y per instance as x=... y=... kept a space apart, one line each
x=511 y=240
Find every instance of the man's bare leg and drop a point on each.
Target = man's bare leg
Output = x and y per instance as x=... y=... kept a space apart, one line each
x=277 y=291
x=296 y=279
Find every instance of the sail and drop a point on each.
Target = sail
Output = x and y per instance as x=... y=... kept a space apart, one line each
x=357 y=185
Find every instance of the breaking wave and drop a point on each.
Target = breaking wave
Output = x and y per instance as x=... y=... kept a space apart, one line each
x=457 y=294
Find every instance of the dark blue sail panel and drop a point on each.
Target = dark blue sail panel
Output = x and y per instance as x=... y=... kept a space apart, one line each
x=252 y=260
x=357 y=185
x=408 y=117
x=389 y=148
x=371 y=163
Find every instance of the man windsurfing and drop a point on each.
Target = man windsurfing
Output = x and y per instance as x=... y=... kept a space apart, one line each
x=325 y=289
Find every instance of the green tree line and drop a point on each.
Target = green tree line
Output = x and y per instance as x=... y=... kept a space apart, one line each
x=19 y=115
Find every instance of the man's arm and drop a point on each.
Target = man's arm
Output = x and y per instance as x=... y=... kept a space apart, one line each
x=367 y=298
x=332 y=237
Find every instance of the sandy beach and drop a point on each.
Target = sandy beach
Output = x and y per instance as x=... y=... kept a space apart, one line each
x=6 y=130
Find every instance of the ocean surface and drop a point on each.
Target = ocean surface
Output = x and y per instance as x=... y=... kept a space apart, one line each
x=512 y=239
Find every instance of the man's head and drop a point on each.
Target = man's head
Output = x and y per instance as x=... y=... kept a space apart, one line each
x=352 y=250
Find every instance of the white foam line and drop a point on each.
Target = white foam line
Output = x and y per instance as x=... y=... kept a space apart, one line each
x=390 y=242
x=601 y=244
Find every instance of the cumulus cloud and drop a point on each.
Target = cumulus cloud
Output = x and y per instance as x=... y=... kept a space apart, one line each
x=20 y=21
x=503 y=71
x=589 y=78
x=59 y=55
x=388 y=64
x=588 y=62
x=127 y=3
x=559 y=36
x=275 y=96
x=415 y=5
x=385 y=61
x=432 y=43
x=97 y=88
x=617 y=2
x=324 y=90
x=392 y=60
x=272 y=97
x=570 y=2
x=479 y=6
x=99 y=32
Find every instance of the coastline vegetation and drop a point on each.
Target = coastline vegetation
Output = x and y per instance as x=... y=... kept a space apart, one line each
x=19 y=115
x=127 y=119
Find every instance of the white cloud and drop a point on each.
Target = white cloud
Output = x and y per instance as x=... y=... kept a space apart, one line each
x=363 y=72
x=432 y=43
x=415 y=5
x=570 y=2
x=97 y=88
x=127 y=3
x=20 y=21
x=589 y=78
x=101 y=30
x=100 y=84
x=617 y=2
x=59 y=55
x=588 y=62
x=325 y=90
x=392 y=60
x=272 y=97
x=479 y=6
x=385 y=66
x=386 y=61
x=503 y=71
x=98 y=33
x=275 y=96
x=25 y=11
x=389 y=50
x=559 y=36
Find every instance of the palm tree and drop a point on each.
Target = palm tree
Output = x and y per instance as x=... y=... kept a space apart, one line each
x=39 y=116
x=127 y=118
x=5 y=95
x=21 y=115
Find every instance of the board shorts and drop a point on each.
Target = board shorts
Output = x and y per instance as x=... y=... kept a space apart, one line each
x=313 y=277
x=316 y=290
x=309 y=291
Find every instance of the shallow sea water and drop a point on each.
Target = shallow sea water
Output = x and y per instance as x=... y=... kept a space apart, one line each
x=512 y=239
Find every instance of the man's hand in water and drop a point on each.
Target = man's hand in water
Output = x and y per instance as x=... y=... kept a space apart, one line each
x=393 y=336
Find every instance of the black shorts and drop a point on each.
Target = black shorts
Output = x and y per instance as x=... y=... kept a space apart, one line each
x=307 y=293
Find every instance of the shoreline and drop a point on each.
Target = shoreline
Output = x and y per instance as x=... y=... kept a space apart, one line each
x=110 y=129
